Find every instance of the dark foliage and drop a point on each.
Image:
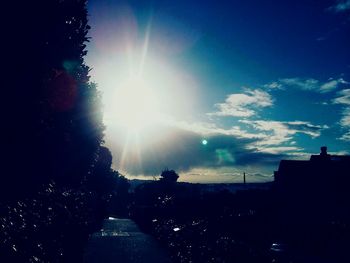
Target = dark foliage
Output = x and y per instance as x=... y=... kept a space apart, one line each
x=54 y=121
x=56 y=179
x=244 y=226
x=169 y=176
x=198 y=226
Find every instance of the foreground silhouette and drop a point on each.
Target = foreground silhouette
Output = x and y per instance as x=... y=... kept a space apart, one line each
x=304 y=216
x=57 y=184
x=56 y=178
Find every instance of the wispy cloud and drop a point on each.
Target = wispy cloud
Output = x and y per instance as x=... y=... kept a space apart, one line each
x=279 y=150
x=309 y=84
x=243 y=104
x=345 y=136
x=179 y=147
x=273 y=85
x=304 y=84
x=256 y=145
x=279 y=132
x=267 y=133
x=345 y=123
x=340 y=6
x=332 y=85
x=271 y=137
x=343 y=97
x=210 y=129
x=345 y=120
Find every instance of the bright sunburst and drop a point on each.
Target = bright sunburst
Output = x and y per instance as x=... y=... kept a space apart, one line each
x=136 y=105
x=145 y=91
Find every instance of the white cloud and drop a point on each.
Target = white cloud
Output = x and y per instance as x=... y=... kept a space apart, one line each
x=339 y=152
x=343 y=97
x=209 y=129
x=269 y=136
x=340 y=6
x=243 y=104
x=278 y=150
x=332 y=85
x=345 y=120
x=273 y=85
x=304 y=84
x=312 y=84
x=345 y=136
x=278 y=132
x=345 y=123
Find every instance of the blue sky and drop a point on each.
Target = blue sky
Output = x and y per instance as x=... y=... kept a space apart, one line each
x=259 y=80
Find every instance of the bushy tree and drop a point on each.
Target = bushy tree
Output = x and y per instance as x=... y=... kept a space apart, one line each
x=52 y=128
x=169 y=176
x=53 y=114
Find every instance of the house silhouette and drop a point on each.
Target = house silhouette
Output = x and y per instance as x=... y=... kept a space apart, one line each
x=321 y=168
x=321 y=183
x=311 y=205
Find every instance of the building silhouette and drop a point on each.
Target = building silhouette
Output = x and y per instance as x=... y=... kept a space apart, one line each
x=319 y=186
x=320 y=169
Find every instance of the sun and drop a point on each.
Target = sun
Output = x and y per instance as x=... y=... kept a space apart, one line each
x=136 y=105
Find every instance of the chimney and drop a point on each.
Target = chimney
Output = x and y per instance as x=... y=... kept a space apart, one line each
x=323 y=151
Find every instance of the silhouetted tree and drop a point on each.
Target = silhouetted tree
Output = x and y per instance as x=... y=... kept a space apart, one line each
x=53 y=115
x=122 y=184
x=52 y=133
x=169 y=176
x=120 y=197
x=103 y=181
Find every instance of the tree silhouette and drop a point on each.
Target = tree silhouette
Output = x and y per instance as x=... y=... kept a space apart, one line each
x=169 y=176
x=52 y=128
x=54 y=121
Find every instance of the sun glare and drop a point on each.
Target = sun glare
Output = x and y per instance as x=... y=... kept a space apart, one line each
x=136 y=105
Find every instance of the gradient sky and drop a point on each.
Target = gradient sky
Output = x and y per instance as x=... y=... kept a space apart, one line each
x=259 y=80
